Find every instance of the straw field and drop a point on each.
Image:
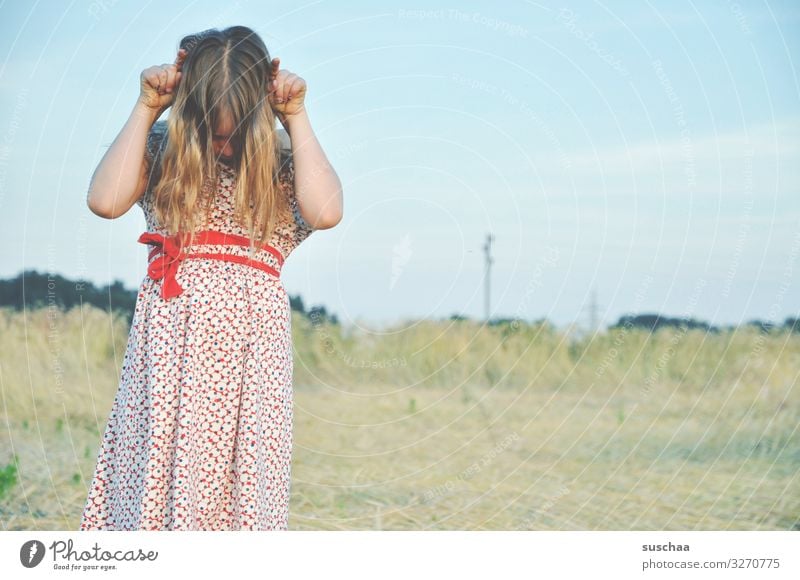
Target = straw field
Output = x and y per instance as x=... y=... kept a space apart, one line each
x=454 y=425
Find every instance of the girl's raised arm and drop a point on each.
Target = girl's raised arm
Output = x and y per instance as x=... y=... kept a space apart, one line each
x=318 y=187
x=121 y=176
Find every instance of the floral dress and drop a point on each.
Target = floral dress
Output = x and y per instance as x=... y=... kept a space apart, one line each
x=200 y=433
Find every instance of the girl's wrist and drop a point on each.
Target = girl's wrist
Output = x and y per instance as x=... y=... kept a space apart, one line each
x=145 y=113
x=289 y=120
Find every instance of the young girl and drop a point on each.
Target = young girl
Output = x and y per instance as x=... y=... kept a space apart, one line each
x=200 y=433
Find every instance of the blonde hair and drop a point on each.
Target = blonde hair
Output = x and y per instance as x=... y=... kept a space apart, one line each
x=224 y=71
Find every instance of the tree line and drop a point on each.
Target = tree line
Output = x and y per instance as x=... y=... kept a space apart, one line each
x=31 y=289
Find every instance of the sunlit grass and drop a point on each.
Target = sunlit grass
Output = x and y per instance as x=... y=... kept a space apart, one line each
x=454 y=425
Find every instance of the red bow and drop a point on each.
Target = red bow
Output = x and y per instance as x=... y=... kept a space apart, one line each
x=166 y=265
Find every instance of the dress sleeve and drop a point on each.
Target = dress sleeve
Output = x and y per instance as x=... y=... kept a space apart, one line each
x=153 y=145
x=302 y=229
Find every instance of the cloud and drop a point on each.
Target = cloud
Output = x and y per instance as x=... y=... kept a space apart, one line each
x=756 y=161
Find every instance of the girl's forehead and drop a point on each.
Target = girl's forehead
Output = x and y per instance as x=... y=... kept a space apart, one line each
x=224 y=124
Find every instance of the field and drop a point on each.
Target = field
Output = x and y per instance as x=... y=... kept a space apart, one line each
x=454 y=425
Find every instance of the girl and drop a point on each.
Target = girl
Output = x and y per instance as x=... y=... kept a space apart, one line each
x=200 y=433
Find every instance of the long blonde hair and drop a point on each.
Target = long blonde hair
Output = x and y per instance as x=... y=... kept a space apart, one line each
x=225 y=70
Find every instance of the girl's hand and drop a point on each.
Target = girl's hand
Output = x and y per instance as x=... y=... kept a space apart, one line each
x=287 y=91
x=158 y=84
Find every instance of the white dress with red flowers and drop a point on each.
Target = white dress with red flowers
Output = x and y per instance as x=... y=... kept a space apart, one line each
x=200 y=433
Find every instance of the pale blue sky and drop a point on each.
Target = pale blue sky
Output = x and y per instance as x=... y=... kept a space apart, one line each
x=645 y=151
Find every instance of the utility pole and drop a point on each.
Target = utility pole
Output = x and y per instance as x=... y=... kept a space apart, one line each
x=487 y=250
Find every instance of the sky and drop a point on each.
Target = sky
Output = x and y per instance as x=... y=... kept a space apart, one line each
x=626 y=157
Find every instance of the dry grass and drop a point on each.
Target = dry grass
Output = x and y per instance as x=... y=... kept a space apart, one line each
x=455 y=426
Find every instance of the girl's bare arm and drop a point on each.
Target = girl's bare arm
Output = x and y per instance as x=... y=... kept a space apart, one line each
x=121 y=176
x=317 y=186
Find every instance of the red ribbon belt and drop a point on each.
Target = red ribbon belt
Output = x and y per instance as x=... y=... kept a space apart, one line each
x=170 y=254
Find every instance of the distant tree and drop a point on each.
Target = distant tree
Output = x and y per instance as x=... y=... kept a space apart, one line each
x=319 y=314
x=792 y=324
x=764 y=326
x=296 y=303
x=31 y=289
x=653 y=322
